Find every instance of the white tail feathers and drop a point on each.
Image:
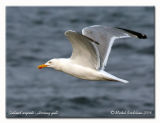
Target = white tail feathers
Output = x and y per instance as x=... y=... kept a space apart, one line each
x=108 y=76
x=122 y=80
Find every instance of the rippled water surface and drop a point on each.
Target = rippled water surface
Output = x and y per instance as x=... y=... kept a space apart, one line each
x=36 y=34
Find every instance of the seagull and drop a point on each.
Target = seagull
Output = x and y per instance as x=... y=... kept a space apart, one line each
x=90 y=52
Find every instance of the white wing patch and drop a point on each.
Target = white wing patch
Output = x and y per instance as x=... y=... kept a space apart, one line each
x=108 y=52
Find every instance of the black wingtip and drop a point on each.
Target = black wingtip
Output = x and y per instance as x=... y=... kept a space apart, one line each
x=143 y=36
x=139 y=35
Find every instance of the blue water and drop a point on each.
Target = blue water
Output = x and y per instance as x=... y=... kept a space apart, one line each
x=36 y=34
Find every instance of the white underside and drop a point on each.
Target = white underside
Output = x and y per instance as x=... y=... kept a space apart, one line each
x=68 y=66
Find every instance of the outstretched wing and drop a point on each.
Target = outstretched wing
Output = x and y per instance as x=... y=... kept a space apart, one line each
x=84 y=52
x=105 y=36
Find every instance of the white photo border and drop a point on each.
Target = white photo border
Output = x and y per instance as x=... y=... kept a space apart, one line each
x=5 y=3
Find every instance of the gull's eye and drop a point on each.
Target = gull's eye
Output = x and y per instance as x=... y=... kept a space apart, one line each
x=49 y=62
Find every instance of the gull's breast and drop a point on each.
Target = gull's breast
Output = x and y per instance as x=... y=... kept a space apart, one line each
x=81 y=71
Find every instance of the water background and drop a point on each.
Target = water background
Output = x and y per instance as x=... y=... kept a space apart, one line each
x=36 y=34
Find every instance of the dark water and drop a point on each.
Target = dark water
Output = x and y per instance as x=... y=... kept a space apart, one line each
x=36 y=34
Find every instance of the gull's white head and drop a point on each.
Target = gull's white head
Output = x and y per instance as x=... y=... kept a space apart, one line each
x=51 y=63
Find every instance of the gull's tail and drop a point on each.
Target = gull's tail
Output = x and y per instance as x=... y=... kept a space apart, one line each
x=108 y=76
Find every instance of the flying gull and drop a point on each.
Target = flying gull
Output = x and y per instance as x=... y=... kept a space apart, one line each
x=90 y=53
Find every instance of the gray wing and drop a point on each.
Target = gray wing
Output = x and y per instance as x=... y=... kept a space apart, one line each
x=84 y=52
x=105 y=36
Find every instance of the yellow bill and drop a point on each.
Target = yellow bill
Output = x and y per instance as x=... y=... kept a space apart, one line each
x=41 y=66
